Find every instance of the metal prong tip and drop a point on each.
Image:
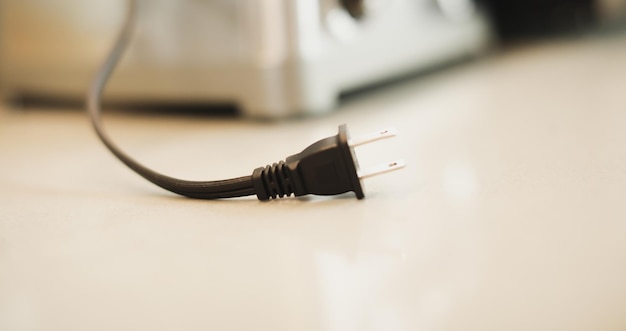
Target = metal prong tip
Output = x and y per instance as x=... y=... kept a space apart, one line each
x=381 y=169
x=378 y=135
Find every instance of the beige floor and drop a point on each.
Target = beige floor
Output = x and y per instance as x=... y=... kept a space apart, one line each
x=511 y=214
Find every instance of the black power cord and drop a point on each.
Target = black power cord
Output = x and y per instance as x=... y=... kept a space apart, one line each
x=327 y=167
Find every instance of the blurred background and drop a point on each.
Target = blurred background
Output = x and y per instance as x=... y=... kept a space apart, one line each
x=270 y=58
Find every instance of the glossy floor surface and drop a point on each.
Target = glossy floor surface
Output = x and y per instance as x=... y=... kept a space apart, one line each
x=511 y=213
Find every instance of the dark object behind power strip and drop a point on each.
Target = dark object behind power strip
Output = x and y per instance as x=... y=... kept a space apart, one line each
x=514 y=19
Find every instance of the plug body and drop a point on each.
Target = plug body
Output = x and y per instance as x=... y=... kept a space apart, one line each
x=326 y=167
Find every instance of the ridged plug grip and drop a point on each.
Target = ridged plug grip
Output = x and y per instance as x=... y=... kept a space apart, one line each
x=272 y=181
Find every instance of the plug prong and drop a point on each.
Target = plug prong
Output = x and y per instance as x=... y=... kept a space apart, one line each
x=381 y=169
x=378 y=135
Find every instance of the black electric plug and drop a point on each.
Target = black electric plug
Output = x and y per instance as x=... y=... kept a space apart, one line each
x=327 y=167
